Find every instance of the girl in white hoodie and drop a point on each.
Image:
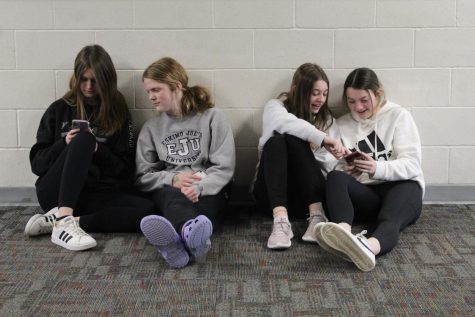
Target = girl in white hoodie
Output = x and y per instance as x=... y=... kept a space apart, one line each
x=384 y=183
x=298 y=135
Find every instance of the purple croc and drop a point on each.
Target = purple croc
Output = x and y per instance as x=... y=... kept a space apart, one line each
x=160 y=233
x=196 y=234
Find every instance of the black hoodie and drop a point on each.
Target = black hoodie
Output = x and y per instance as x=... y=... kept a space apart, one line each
x=113 y=162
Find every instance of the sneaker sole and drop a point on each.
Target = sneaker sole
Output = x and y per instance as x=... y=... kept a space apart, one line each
x=309 y=239
x=161 y=234
x=63 y=244
x=321 y=242
x=279 y=246
x=198 y=237
x=29 y=224
x=341 y=240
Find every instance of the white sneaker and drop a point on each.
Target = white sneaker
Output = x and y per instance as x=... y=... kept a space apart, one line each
x=41 y=223
x=68 y=234
x=281 y=234
x=321 y=242
x=353 y=246
x=313 y=220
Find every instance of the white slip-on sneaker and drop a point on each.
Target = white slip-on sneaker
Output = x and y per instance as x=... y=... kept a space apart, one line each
x=281 y=234
x=354 y=246
x=321 y=242
x=68 y=234
x=313 y=220
x=41 y=223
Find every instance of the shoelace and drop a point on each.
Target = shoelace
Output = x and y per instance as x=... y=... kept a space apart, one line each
x=319 y=218
x=281 y=227
x=362 y=239
x=73 y=229
x=361 y=234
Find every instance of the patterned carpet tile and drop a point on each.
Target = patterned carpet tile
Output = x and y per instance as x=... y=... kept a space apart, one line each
x=430 y=273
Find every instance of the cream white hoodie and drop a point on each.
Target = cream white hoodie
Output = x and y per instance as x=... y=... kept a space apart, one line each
x=391 y=138
x=277 y=118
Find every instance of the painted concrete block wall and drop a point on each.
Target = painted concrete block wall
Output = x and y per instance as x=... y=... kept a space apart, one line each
x=246 y=51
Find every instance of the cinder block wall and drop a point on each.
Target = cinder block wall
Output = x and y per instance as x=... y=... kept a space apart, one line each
x=245 y=51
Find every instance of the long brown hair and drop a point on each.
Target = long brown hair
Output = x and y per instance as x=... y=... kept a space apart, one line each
x=297 y=100
x=168 y=71
x=112 y=111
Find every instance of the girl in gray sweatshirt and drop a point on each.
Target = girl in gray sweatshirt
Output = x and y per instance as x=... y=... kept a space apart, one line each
x=185 y=159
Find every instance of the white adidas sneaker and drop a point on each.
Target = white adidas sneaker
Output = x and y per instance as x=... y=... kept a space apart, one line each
x=321 y=242
x=353 y=246
x=41 y=223
x=68 y=234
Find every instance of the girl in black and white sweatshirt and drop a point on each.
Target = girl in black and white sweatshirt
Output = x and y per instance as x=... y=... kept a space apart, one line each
x=383 y=182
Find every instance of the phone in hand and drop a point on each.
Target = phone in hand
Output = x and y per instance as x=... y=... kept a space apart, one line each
x=82 y=125
x=353 y=156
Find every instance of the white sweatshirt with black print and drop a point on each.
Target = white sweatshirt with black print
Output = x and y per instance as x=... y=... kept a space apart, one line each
x=391 y=138
x=277 y=118
x=202 y=142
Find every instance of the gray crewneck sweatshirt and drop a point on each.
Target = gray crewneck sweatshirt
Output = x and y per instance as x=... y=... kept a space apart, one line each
x=201 y=142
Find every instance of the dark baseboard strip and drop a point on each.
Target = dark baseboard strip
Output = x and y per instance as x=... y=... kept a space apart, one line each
x=435 y=194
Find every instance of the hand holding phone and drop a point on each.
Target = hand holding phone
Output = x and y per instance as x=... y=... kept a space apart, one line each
x=82 y=125
x=353 y=156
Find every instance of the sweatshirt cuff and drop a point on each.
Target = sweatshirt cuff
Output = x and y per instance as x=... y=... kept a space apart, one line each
x=198 y=188
x=317 y=139
x=58 y=146
x=167 y=178
x=379 y=172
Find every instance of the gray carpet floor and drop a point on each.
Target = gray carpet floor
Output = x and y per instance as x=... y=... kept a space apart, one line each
x=430 y=273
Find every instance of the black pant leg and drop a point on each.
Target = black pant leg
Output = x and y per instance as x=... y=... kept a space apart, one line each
x=348 y=199
x=118 y=211
x=214 y=207
x=64 y=181
x=401 y=206
x=306 y=183
x=270 y=188
x=175 y=206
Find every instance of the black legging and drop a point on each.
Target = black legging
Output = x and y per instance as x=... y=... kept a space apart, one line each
x=178 y=209
x=100 y=211
x=288 y=176
x=392 y=205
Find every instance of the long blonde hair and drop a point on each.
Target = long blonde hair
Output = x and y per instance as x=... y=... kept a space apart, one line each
x=112 y=111
x=168 y=71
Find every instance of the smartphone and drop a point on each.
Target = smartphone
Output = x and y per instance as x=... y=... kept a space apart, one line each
x=83 y=125
x=353 y=156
